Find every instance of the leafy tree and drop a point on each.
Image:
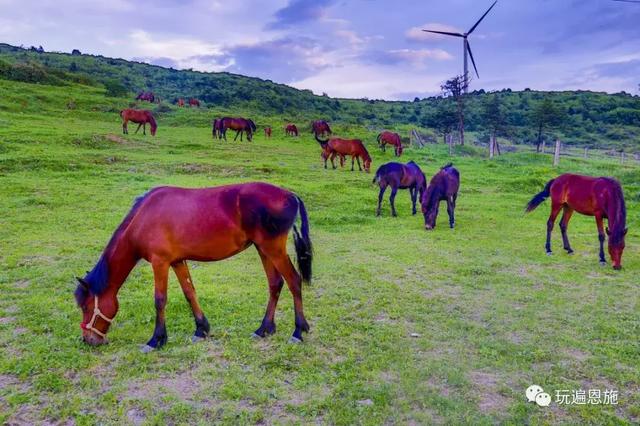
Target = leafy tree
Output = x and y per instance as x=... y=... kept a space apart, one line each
x=454 y=87
x=546 y=115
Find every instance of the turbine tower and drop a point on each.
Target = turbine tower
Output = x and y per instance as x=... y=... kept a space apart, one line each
x=466 y=49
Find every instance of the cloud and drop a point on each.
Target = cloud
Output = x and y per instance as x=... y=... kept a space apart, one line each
x=416 y=33
x=414 y=57
x=299 y=11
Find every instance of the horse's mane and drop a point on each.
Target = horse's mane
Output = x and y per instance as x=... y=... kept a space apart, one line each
x=152 y=120
x=98 y=277
x=619 y=215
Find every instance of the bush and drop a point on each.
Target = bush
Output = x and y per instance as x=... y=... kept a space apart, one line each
x=115 y=89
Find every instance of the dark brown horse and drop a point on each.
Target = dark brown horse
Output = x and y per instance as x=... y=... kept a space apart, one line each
x=180 y=102
x=443 y=186
x=193 y=102
x=320 y=128
x=267 y=131
x=400 y=176
x=146 y=96
x=168 y=226
x=601 y=197
x=291 y=130
x=240 y=125
x=342 y=147
x=390 y=138
x=139 y=116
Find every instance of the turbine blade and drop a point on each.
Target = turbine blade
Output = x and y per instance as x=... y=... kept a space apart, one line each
x=482 y=17
x=444 y=32
x=629 y=1
x=472 y=61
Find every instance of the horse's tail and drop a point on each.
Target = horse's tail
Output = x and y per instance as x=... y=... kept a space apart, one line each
x=376 y=178
x=378 y=138
x=122 y=114
x=320 y=141
x=302 y=243
x=539 y=197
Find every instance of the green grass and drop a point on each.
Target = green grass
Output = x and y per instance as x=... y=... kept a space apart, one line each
x=492 y=312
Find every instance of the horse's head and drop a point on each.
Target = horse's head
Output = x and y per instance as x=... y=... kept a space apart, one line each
x=616 y=246
x=429 y=209
x=367 y=164
x=97 y=313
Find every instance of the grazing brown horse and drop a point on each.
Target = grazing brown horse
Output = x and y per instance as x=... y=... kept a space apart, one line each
x=180 y=102
x=343 y=147
x=291 y=130
x=240 y=125
x=320 y=128
x=194 y=103
x=403 y=176
x=601 y=197
x=267 y=132
x=139 y=116
x=146 y=96
x=390 y=138
x=443 y=186
x=169 y=225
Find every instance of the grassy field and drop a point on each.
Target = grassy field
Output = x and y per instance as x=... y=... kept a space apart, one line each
x=407 y=326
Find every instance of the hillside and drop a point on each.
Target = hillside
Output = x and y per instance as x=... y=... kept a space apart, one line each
x=592 y=119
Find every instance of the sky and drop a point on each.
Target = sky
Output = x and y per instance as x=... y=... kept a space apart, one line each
x=354 y=48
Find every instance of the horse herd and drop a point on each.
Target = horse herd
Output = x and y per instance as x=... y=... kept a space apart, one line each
x=169 y=226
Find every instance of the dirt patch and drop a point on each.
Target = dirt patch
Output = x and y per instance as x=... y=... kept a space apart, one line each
x=183 y=385
x=136 y=417
x=22 y=283
x=487 y=384
x=115 y=138
x=576 y=354
x=440 y=385
x=6 y=320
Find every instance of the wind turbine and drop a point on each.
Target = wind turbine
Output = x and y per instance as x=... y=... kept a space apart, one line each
x=465 y=46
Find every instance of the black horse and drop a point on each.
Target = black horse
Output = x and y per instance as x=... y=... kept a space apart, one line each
x=403 y=176
x=442 y=187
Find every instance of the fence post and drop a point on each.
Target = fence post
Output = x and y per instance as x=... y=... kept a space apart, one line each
x=450 y=145
x=544 y=145
x=585 y=152
x=556 y=155
x=491 y=146
x=622 y=157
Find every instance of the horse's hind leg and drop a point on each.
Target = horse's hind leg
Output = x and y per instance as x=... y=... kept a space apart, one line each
x=392 y=200
x=276 y=282
x=383 y=188
x=601 y=238
x=555 y=209
x=125 y=130
x=564 y=223
x=451 y=211
x=160 y=276
x=202 y=325
x=276 y=251
x=413 y=191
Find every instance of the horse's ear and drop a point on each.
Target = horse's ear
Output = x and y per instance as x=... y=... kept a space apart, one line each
x=625 y=231
x=83 y=283
x=608 y=232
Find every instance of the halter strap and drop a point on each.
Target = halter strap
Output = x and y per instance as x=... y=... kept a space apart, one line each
x=96 y=313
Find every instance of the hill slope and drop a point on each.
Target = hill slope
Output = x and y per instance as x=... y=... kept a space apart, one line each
x=592 y=119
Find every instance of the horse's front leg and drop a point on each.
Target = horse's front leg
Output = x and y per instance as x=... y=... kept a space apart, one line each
x=358 y=160
x=413 y=191
x=202 y=325
x=160 y=276
x=236 y=137
x=352 y=161
x=136 y=132
x=333 y=158
x=601 y=237
x=144 y=129
x=268 y=325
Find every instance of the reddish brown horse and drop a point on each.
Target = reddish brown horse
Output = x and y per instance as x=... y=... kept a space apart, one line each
x=390 y=138
x=139 y=116
x=180 y=102
x=601 y=197
x=291 y=130
x=194 y=103
x=342 y=147
x=443 y=186
x=320 y=128
x=267 y=132
x=146 y=96
x=403 y=176
x=168 y=226
x=240 y=125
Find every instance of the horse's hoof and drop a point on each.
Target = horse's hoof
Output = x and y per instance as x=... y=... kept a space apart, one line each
x=196 y=339
x=603 y=263
x=294 y=340
x=146 y=349
x=569 y=252
x=255 y=336
x=549 y=253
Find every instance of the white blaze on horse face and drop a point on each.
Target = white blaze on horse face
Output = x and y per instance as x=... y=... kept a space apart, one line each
x=532 y=391
x=543 y=399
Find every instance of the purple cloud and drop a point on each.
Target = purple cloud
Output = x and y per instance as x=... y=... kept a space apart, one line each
x=299 y=11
